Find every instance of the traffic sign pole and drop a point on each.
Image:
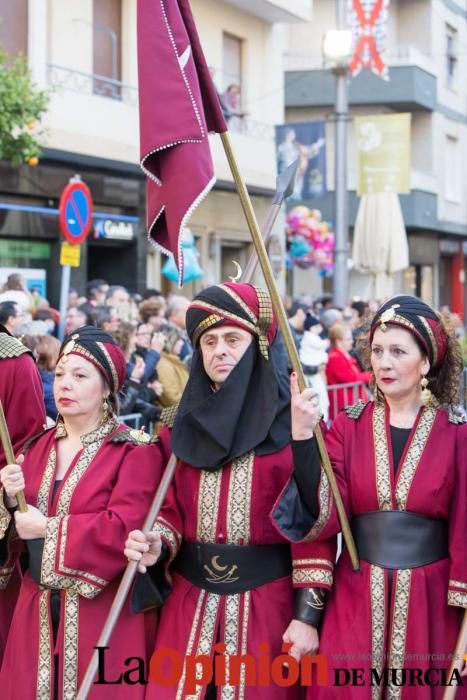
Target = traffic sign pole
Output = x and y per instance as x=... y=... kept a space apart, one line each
x=75 y=221
x=64 y=294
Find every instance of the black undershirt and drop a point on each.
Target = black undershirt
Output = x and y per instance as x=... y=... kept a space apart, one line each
x=307 y=465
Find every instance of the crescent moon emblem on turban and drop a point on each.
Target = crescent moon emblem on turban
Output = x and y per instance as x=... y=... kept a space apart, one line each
x=217 y=566
x=239 y=272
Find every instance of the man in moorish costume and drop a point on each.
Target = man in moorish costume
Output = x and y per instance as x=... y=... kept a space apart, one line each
x=232 y=576
x=22 y=399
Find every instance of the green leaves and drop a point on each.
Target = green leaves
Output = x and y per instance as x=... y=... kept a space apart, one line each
x=21 y=108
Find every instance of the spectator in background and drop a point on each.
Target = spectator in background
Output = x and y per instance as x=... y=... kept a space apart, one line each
x=328 y=319
x=96 y=292
x=46 y=353
x=148 y=347
x=47 y=317
x=231 y=101
x=297 y=317
x=171 y=371
x=75 y=318
x=119 y=298
x=107 y=318
x=15 y=289
x=131 y=396
x=155 y=295
x=152 y=311
x=177 y=306
x=343 y=369
x=11 y=316
x=361 y=312
x=314 y=358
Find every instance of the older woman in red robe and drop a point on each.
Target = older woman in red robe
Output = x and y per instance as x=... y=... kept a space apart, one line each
x=86 y=481
x=389 y=630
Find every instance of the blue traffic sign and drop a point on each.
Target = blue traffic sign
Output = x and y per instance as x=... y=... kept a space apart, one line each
x=75 y=212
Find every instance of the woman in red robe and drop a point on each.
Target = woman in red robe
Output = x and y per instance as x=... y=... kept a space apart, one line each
x=86 y=481
x=342 y=368
x=400 y=463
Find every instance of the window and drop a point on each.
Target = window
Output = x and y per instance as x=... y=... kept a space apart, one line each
x=14 y=26
x=232 y=61
x=452 y=170
x=107 y=36
x=451 y=56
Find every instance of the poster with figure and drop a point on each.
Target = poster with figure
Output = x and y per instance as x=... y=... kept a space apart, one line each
x=305 y=141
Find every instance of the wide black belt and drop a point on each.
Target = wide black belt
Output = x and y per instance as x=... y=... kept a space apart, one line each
x=395 y=539
x=230 y=568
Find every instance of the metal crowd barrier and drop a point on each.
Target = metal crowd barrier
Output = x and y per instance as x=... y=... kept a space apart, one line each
x=132 y=420
x=352 y=391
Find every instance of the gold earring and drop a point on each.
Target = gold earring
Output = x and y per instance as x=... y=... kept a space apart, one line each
x=426 y=397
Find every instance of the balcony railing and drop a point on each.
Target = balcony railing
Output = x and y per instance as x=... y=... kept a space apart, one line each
x=91 y=84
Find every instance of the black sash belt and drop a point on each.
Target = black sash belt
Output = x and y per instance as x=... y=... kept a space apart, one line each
x=396 y=539
x=230 y=568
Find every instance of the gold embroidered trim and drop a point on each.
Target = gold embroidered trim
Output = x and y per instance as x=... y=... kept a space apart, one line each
x=205 y=641
x=457 y=598
x=168 y=415
x=44 y=664
x=399 y=629
x=239 y=500
x=46 y=483
x=457 y=584
x=48 y=575
x=70 y=656
x=413 y=456
x=208 y=505
x=246 y=614
x=431 y=335
x=5 y=517
x=198 y=304
x=238 y=300
x=313 y=562
x=378 y=613
x=11 y=347
x=74 y=572
x=5 y=575
x=191 y=639
x=325 y=505
x=113 y=371
x=355 y=410
x=382 y=464
x=312 y=576
x=232 y=625
x=171 y=537
x=204 y=325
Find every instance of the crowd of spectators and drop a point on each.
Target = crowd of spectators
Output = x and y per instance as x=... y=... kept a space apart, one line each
x=151 y=332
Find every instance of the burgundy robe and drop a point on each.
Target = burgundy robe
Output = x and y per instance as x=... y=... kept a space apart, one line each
x=363 y=627
x=21 y=395
x=228 y=506
x=105 y=493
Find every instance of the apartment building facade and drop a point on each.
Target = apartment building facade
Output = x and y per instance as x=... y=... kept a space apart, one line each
x=427 y=58
x=86 y=54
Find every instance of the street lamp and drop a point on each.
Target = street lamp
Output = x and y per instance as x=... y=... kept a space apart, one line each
x=337 y=52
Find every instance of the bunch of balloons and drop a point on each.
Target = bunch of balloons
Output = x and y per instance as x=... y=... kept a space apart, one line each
x=311 y=243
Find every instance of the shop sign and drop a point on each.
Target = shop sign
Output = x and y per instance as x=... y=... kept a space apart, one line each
x=23 y=250
x=115 y=230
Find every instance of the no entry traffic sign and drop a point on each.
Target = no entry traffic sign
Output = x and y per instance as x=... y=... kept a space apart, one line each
x=75 y=211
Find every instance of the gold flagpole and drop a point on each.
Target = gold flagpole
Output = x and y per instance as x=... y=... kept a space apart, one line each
x=10 y=456
x=288 y=340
